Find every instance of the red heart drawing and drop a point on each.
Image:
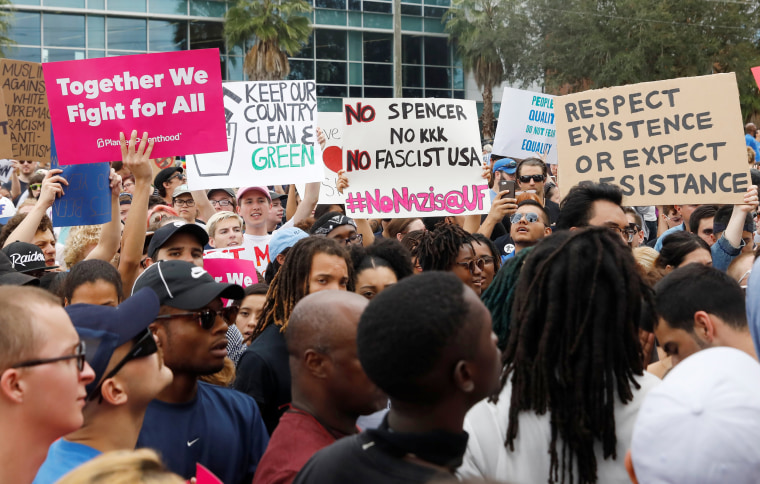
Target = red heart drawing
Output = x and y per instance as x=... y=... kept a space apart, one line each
x=333 y=158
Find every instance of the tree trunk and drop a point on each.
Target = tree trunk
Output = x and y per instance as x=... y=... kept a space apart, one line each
x=487 y=116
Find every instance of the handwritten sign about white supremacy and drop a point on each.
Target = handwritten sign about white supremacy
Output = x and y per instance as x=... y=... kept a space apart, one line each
x=412 y=157
x=666 y=142
x=271 y=137
x=526 y=126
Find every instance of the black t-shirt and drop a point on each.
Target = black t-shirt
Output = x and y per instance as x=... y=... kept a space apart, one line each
x=263 y=372
x=359 y=459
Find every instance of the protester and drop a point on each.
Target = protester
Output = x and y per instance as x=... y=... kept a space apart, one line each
x=225 y=229
x=594 y=204
x=167 y=180
x=93 y=282
x=682 y=213
x=635 y=227
x=701 y=223
x=750 y=130
x=128 y=183
x=683 y=248
x=337 y=226
x=35 y=186
x=11 y=277
x=734 y=233
x=529 y=224
x=574 y=376
x=329 y=387
x=27 y=258
x=503 y=169
x=702 y=424
x=178 y=241
x=531 y=175
x=123 y=467
x=427 y=343
x=125 y=203
x=487 y=251
x=43 y=374
x=277 y=213
x=184 y=204
x=190 y=421
x=700 y=307
x=397 y=228
x=313 y=264
x=449 y=248
x=21 y=175
x=279 y=245
x=128 y=375
x=379 y=266
x=222 y=199
x=250 y=308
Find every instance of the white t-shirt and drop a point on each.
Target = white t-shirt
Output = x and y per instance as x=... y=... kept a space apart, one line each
x=488 y=458
x=257 y=248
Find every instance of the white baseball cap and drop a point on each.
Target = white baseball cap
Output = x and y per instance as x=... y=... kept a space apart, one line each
x=701 y=425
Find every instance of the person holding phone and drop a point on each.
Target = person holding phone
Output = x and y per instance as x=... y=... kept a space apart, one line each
x=531 y=174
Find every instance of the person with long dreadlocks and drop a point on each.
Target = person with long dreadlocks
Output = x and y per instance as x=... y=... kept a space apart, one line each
x=450 y=248
x=313 y=264
x=573 y=379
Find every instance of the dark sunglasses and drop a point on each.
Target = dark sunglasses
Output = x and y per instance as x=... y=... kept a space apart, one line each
x=535 y=178
x=79 y=355
x=207 y=317
x=530 y=217
x=144 y=346
x=471 y=264
x=178 y=175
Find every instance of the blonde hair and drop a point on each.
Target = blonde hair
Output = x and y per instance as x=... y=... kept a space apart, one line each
x=123 y=467
x=645 y=257
x=218 y=217
x=750 y=155
x=223 y=377
x=80 y=242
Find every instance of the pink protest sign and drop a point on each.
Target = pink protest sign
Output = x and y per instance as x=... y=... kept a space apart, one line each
x=175 y=96
x=234 y=271
x=205 y=476
x=756 y=73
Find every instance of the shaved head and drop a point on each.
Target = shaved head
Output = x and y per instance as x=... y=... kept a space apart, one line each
x=319 y=319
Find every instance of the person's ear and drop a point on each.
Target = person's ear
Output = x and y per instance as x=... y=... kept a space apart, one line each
x=66 y=302
x=211 y=242
x=159 y=333
x=463 y=377
x=12 y=386
x=148 y=262
x=113 y=391
x=317 y=363
x=280 y=258
x=629 y=467
x=704 y=326
x=547 y=230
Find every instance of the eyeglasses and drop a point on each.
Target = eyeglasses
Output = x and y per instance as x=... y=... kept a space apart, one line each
x=221 y=203
x=471 y=264
x=127 y=184
x=23 y=162
x=207 y=317
x=535 y=178
x=352 y=239
x=530 y=217
x=676 y=219
x=487 y=260
x=177 y=175
x=36 y=186
x=145 y=346
x=79 y=355
x=627 y=233
x=181 y=202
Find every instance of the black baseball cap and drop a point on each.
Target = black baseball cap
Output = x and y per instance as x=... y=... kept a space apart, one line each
x=165 y=174
x=183 y=285
x=10 y=276
x=26 y=257
x=166 y=232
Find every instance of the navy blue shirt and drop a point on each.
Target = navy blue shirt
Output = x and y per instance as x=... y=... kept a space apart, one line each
x=220 y=428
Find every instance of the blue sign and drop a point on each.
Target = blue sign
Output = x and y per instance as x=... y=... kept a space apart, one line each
x=87 y=198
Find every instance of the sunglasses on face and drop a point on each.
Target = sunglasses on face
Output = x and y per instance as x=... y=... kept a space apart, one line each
x=24 y=162
x=472 y=264
x=528 y=178
x=178 y=175
x=79 y=354
x=530 y=217
x=144 y=346
x=207 y=317
x=36 y=186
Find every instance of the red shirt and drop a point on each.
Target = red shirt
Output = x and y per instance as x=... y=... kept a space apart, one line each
x=297 y=437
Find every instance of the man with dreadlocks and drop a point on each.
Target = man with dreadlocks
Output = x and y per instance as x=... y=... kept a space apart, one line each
x=574 y=379
x=449 y=248
x=313 y=264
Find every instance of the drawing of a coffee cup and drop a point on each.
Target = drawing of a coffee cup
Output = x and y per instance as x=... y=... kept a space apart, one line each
x=218 y=164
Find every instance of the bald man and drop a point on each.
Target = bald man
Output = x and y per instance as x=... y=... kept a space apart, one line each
x=329 y=387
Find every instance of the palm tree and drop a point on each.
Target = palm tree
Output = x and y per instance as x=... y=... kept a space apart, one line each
x=489 y=36
x=280 y=28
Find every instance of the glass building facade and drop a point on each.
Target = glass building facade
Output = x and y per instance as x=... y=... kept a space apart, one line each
x=350 y=52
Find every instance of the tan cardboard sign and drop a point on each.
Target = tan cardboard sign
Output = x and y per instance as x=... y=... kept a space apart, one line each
x=26 y=108
x=666 y=142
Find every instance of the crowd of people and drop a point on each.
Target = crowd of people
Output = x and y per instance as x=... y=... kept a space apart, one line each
x=553 y=339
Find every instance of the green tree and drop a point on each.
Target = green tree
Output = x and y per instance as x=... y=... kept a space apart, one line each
x=491 y=37
x=280 y=28
x=6 y=22
x=599 y=43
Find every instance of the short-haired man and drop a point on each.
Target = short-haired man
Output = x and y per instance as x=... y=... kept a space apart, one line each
x=531 y=175
x=178 y=240
x=682 y=211
x=701 y=223
x=750 y=130
x=167 y=180
x=503 y=169
x=277 y=212
x=701 y=425
x=128 y=374
x=184 y=204
x=635 y=227
x=21 y=172
x=222 y=199
x=190 y=421
x=329 y=387
x=43 y=374
x=225 y=229
x=594 y=204
x=700 y=307
x=734 y=230
x=427 y=342
x=528 y=225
